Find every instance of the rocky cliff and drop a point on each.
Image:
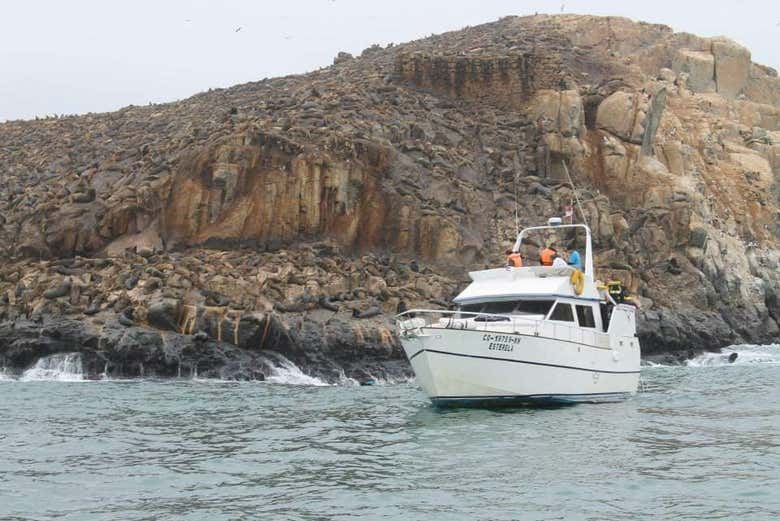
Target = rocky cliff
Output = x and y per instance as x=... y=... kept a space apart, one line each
x=295 y=214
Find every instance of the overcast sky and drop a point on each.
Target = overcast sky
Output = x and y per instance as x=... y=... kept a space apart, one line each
x=75 y=56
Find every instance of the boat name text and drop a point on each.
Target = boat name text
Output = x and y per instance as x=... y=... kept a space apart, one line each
x=501 y=342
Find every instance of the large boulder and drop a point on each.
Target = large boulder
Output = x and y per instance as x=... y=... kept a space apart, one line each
x=732 y=66
x=700 y=68
x=558 y=111
x=623 y=114
x=134 y=346
x=633 y=116
x=163 y=313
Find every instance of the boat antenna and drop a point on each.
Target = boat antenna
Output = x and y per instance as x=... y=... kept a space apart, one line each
x=588 y=250
x=517 y=222
x=574 y=191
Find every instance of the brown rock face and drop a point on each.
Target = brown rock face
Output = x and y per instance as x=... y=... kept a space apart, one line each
x=623 y=114
x=732 y=67
x=264 y=188
x=700 y=68
x=718 y=65
x=426 y=152
x=505 y=80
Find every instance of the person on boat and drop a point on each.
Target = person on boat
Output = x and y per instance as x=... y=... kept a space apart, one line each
x=617 y=291
x=514 y=259
x=547 y=256
x=559 y=262
x=575 y=261
x=403 y=308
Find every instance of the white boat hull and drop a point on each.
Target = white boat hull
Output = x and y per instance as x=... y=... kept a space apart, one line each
x=469 y=367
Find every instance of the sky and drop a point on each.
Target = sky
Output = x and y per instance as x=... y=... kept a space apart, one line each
x=77 y=56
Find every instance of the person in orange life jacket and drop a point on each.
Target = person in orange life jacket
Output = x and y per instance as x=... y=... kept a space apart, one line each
x=513 y=259
x=547 y=255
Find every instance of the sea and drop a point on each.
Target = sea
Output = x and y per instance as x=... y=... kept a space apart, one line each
x=699 y=441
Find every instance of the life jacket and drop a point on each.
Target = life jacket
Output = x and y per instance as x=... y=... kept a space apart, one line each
x=547 y=256
x=515 y=260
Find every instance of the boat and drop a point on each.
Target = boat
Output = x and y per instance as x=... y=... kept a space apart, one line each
x=526 y=335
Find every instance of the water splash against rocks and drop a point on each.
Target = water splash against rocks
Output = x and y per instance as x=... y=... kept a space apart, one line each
x=747 y=354
x=286 y=372
x=62 y=367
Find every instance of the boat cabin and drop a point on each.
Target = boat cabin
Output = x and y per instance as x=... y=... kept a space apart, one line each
x=537 y=293
x=531 y=293
x=537 y=300
x=583 y=314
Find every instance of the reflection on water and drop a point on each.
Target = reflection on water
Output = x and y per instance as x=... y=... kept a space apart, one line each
x=699 y=443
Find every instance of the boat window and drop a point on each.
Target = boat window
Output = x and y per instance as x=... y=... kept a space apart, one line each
x=562 y=312
x=499 y=307
x=585 y=316
x=606 y=314
x=533 y=307
x=465 y=311
x=514 y=307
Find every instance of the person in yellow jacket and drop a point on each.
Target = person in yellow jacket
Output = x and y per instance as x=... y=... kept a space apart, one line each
x=514 y=259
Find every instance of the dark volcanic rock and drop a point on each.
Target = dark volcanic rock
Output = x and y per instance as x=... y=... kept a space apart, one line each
x=163 y=313
x=119 y=351
x=59 y=291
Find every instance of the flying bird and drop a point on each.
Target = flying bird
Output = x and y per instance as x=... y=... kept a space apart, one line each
x=237 y=29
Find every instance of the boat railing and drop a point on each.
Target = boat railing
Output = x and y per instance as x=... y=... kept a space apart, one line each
x=412 y=321
x=445 y=319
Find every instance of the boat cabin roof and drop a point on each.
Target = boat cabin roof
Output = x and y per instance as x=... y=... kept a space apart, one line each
x=531 y=282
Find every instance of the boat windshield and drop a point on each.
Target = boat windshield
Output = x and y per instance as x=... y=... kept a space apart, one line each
x=511 y=307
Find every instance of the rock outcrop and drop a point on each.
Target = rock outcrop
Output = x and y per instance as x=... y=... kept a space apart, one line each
x=296 y=215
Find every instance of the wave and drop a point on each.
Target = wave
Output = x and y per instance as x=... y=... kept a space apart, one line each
x=746 y=354
x=376 y=380
x=63 y=367
x=285 y=372
x=650 y=363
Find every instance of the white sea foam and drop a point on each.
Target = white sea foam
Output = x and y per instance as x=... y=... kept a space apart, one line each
x=650 y=363
x=195 y=377
x=104 y=375
x=747 y=354
x=389 y=381
x=66 y=367
x=5 y=375
x=286 y=372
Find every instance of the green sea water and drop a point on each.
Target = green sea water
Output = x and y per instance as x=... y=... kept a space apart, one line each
x=700 y=442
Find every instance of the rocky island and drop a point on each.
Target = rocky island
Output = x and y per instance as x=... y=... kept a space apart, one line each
x=289 y=218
